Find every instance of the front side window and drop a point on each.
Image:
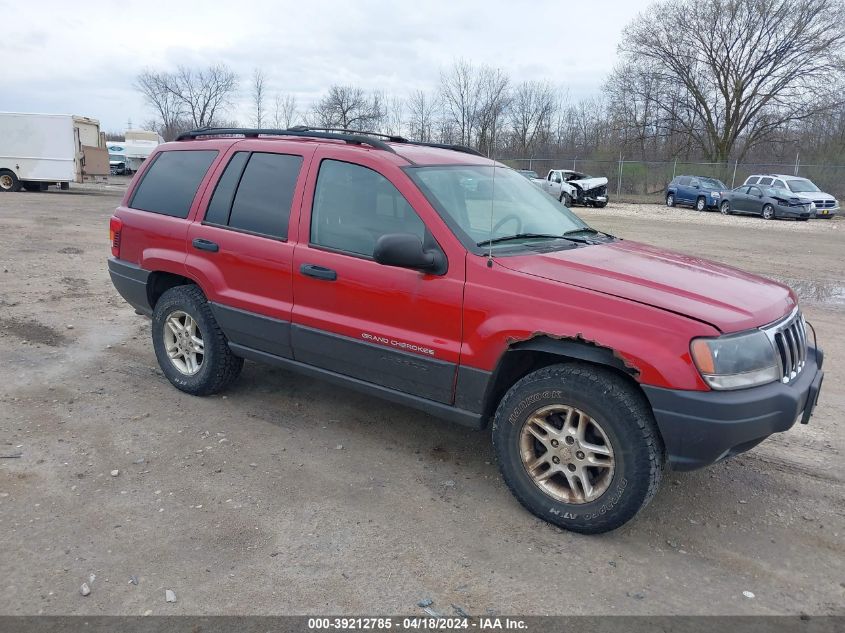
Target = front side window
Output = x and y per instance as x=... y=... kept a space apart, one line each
x=171 y=182
x=683 y=180
x=255 y=193
x=354 y=206
x=501 y=204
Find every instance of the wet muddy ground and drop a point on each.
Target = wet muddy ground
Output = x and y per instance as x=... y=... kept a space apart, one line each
x=286 y=495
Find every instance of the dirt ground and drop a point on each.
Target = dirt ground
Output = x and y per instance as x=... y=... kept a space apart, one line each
x=287 y=495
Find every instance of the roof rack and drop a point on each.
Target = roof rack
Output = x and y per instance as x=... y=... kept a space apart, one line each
x=355 y=137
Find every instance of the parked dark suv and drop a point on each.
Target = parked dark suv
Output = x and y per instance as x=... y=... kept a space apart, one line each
x=695 y=191
x=434 y=277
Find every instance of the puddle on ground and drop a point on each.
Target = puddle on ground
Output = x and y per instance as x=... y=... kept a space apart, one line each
x=828 y=292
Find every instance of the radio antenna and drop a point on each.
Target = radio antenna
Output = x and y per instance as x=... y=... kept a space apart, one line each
x=492 y=202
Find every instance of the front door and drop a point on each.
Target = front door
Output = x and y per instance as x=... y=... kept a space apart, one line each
x=393 y=327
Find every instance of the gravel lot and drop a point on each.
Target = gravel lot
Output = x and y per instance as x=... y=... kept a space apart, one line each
x=290 y=496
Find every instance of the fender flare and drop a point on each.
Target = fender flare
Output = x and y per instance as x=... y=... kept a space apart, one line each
x=576 y=347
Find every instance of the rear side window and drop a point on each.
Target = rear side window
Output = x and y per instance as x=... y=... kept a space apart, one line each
x=255 y=193
x=753 y=180
x=171 y=182
x=766 y=181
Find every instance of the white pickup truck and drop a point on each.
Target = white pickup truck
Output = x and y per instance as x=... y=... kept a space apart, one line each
x=573 y=187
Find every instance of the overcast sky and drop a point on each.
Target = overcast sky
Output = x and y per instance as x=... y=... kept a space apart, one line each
x=82 y=57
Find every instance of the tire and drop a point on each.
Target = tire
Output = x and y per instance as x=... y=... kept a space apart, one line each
x=625 y=423
x=725 y=207
x=217 y=368
x=565 y=199
x=768 y=212
x=600 y=205
x=701 y=204
x=670 y=200
x=9 y=181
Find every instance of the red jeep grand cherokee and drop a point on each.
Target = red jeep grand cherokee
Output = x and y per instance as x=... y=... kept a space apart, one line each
x=434 y=277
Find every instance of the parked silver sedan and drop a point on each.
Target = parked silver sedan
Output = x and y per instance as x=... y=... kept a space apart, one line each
x=767 y=202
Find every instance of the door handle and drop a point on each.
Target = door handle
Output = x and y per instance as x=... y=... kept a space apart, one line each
x=205 y=245
x=318 y=272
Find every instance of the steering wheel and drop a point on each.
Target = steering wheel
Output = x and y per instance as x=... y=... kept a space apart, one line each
x=507 y=218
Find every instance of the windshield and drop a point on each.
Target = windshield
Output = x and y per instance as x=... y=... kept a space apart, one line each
x=466 y=194
x=776 y=191
x=117 y=158
x=800 y=185
x=712 y=183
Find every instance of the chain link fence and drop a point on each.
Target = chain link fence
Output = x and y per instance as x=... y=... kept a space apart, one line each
x=637 y=180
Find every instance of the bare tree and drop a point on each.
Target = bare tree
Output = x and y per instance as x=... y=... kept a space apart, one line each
x=494 y=93
x=422 y=109
x=170 y=110
x=531 y=112
x=347 y=107
x=258 y=95
x=188 y=97
x=744 y=68
x=461 y=93
x=284 y=111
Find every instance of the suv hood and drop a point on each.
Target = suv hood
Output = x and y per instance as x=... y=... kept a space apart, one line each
x=727 y=298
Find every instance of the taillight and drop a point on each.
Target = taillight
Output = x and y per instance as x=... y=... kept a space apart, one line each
x=115 y=225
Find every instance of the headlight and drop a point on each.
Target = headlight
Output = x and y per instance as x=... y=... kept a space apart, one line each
x=735 y=361
x=783 y=203
x=812 y=206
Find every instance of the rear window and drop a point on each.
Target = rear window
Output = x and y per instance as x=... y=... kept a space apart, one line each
x=255 y=192
x=171 y=182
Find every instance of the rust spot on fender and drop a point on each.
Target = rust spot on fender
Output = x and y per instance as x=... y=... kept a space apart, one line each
x=581 y=339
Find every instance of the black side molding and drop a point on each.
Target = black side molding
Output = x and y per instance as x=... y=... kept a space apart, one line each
x=436 y=409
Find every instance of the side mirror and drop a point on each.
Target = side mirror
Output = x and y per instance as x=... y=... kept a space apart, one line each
x=405 y=250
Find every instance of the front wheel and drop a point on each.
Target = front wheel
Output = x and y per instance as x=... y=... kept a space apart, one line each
x=768 y=212
x=725 y=207
x=578 y=446
x=9 y=181
x=565 y=199
x=191 y=349
x=701 y=204
x=670 y=200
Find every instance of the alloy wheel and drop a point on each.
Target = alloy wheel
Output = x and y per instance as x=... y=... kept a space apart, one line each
x=567 y=454
x=183 y=342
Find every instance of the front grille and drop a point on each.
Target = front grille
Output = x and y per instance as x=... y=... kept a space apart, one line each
x=825 y=204
x=789 y=338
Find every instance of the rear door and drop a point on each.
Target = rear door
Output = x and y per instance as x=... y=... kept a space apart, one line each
x=238 y=247
x=682 y=193
x=389 y=326
x=739 y=199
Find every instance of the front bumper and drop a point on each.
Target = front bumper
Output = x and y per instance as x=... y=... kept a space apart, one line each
x=793 y=212
x=826 y=213
x=700 y=428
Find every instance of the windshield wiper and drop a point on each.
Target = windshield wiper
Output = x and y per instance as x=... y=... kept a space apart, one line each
x=585 y=229
x=518 y=236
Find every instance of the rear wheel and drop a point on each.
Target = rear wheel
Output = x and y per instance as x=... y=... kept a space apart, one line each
x=670 y=200
x=701 y=204
x=768 y=212
x=191 y=349
x=578 y=447
x=725 y=207
x=9 y=181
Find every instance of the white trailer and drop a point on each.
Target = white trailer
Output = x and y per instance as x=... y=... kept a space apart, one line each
x=37 y=150
x=126 y=156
